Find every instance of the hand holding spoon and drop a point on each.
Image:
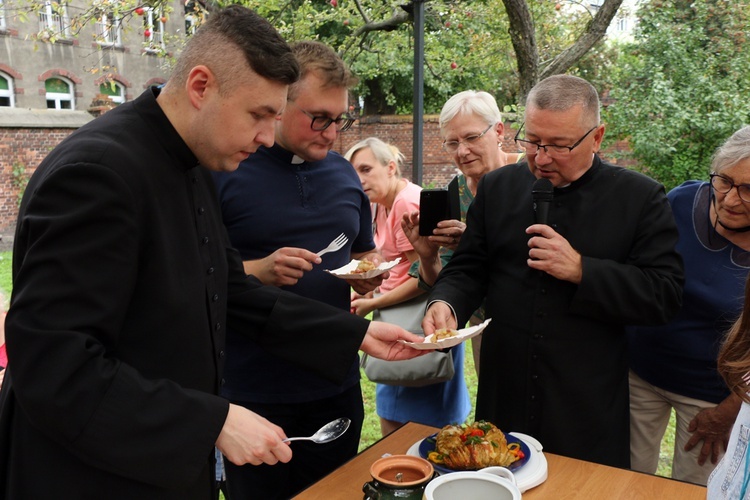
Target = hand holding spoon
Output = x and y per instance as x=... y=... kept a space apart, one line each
x=329 y=432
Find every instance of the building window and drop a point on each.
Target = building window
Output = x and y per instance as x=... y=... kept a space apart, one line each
x=114 y=90
x=3 y=26
x=109 y=30
x=153 y=29
x=53 y=19
x=194 y=15
x=622 y=24
x=59 y=93
x=7 y=96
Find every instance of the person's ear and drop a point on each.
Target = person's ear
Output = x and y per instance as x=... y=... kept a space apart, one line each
x=199 y=81
x=598 y=137
x=500 y=130
x=391 y=168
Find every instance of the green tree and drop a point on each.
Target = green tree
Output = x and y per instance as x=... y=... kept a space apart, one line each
x=682 y=87
x=501 y=46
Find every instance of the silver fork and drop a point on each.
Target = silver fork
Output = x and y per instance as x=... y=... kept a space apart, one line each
x=337 y=244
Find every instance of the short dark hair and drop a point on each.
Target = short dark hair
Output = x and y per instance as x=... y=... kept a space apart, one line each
x=562 y=92
x=233 y=32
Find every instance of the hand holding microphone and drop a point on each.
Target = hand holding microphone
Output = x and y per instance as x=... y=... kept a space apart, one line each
x=550 y=252
x=542 y=193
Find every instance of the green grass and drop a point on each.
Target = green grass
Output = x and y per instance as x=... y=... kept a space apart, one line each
x=371 y=427
x=6 y=283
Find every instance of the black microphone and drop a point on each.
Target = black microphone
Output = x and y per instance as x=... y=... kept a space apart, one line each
x=542 y=193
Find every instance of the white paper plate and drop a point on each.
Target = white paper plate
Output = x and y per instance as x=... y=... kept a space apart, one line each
x=462 y=335
x=345 y=272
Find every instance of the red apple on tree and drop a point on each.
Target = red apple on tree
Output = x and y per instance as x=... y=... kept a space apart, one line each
x=139 y=11
x=163 y=19
x=147 y=33
x=334 y=3
x=558 y=6
x=447 y=24
x=454 y=65
x=346 y=22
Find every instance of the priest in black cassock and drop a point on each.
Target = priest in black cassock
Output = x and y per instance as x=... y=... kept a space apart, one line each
x=561 y=290
x=125 y=283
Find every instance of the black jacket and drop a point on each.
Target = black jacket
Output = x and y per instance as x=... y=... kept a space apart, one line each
x=124 y=285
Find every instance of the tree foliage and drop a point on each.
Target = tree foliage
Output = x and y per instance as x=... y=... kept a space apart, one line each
x=682 y=87
x=500 y=46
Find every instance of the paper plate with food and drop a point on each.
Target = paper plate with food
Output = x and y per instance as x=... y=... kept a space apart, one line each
x=363 y=269
x=473 y=447
x=444 y=338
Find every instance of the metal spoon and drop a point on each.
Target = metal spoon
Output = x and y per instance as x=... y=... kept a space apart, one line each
x=329 y=432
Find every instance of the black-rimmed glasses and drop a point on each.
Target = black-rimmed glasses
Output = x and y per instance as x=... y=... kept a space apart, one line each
x=532 y=148
x=452 y=146
x=724 y=184
x=320 y=123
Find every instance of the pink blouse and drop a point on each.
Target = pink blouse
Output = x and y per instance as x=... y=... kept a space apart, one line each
x=390 y=238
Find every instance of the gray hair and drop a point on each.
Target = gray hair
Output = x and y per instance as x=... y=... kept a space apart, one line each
x=562 y=92
x=471 y=102
x=382 y=151
x=734 y=150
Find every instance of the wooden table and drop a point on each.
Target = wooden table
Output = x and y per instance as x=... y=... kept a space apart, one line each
x=568 y=478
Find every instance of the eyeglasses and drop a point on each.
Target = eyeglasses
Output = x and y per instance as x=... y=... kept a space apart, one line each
x=551 y=149
x=724 y=185
x=452 y=146
x=320 y=123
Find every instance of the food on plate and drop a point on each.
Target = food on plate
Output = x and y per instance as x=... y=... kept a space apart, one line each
x=364 y=266
x=475 y=446
x=444 y=333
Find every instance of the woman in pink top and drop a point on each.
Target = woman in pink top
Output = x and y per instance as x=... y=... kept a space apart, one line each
x=392 y=196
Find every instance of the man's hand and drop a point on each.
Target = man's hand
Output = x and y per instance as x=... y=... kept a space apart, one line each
x=552 y=254
x=713 y=426
x=283 y=267
x=362 y=287
x=248 y=438
x=439 y=315
x=382 y=339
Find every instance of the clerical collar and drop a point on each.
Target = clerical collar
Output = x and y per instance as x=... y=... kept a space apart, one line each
x=296 y=160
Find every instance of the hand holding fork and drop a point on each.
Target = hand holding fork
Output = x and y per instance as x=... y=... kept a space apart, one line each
x=336 y=245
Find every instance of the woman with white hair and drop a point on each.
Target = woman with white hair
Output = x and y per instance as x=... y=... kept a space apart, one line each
x=472 y=130
x=673 y=366
x=379 y=168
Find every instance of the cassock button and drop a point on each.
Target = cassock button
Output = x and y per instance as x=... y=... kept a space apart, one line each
x=194 y=179
x=223 y=382
x=533 y=397
x=221 y=354
x=543 y=291
x=534 y=357
x=201 y=210
x=534 y=377
x=204 y=240
x=217 y=326
x=215 y=297
x=210 y=270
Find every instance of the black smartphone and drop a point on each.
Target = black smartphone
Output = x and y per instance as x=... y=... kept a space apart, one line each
x=433 y=207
